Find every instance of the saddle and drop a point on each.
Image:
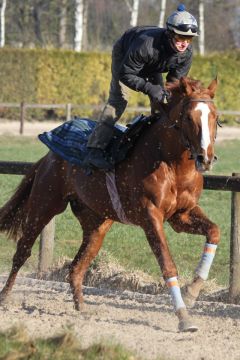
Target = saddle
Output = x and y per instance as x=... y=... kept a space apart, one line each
x=125 y=139
x=69 y=140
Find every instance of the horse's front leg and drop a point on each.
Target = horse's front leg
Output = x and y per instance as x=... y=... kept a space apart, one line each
x=196 y=222
x=153 y=228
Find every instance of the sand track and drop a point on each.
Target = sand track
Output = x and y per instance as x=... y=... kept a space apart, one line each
x=143 y=323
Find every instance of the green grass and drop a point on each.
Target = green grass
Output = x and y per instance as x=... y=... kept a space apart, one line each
x=127 y=243
x=15 y=344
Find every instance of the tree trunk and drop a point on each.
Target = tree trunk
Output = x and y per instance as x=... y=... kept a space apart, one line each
x=134 y=13
x=79 y=15
x=3 y=8
x=201 y=28
x=85 y=23
x=162 y=13
x=63 y=24
x=37 y=9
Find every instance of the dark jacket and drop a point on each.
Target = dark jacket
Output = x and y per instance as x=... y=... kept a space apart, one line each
x=146 y=53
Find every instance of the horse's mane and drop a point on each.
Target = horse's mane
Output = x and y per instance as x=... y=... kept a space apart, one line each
x=177 y=90
x=175 y=87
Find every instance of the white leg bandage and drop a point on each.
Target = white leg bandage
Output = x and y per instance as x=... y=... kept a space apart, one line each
x=175 y=292
x=206 y=261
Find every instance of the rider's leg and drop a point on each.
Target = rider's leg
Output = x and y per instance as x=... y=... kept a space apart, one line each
x=117 y=103
x=104 y=130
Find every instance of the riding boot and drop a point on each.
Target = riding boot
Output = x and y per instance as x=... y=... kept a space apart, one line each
x=98 y=142
x=101 y=135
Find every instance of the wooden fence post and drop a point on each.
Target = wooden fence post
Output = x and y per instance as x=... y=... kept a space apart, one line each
x=68 y=112
x=46 y=248
x=234 y=288
x=22 y=117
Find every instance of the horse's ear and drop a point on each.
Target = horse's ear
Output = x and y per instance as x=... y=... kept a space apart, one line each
x=185 y=86
x=212 y=87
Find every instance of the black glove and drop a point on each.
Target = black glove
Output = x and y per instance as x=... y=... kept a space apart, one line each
x=156 y=93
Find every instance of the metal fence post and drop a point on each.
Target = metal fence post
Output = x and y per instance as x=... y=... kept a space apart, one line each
x=46 y=248
x=234 y=288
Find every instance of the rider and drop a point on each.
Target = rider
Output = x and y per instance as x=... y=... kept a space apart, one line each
x=139 y=58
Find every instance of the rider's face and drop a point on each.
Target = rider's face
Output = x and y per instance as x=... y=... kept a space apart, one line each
x=181 y=42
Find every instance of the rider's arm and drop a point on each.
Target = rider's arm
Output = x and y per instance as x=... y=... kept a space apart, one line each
x=134 y=61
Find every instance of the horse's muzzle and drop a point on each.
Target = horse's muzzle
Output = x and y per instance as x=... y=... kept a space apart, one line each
x=203 y=163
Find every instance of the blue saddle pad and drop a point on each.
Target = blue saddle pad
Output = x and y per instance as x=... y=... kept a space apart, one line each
x=69 y=140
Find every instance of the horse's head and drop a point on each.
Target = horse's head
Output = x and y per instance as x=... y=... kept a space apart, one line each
x=196 y=118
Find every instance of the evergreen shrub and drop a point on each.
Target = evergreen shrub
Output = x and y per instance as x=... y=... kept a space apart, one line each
x=63 y=76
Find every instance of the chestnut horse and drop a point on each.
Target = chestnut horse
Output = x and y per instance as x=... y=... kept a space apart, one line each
x=161 y=180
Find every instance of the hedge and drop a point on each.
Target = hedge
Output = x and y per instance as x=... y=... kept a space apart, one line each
x=60 y=76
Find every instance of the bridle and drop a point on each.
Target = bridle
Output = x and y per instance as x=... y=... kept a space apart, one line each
x=185 y=141
x=204 y=101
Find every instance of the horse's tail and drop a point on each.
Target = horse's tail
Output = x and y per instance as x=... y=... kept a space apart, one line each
x=13 y=214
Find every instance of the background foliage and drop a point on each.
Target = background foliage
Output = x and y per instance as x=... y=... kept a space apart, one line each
x=36 y=23
x=53 y=76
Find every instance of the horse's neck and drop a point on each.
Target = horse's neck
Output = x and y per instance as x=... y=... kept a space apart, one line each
x=159 y=143
x=162 y=143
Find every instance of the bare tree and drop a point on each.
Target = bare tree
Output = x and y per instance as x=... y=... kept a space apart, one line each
x=201 y=28
x=85 y=25
x=79 y=20
x=134 y=8
x=134 y=14
x=63 y=24
x=52 y=22
x=235 y=26
x=37 y=14
x=162 y=13
x=3 y=8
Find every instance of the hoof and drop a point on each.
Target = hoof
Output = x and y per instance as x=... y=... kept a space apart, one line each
x=185 y=322
x=3 y=299
x=188 y=299
x=187 y=326
x=78 y=305
x=191 y=292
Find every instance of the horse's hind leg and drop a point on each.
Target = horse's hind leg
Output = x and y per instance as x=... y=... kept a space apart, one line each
x=39 y=215
x=94 y=231
x=23 y=251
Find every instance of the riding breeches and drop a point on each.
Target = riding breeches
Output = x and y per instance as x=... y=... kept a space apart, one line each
x=115 y=106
